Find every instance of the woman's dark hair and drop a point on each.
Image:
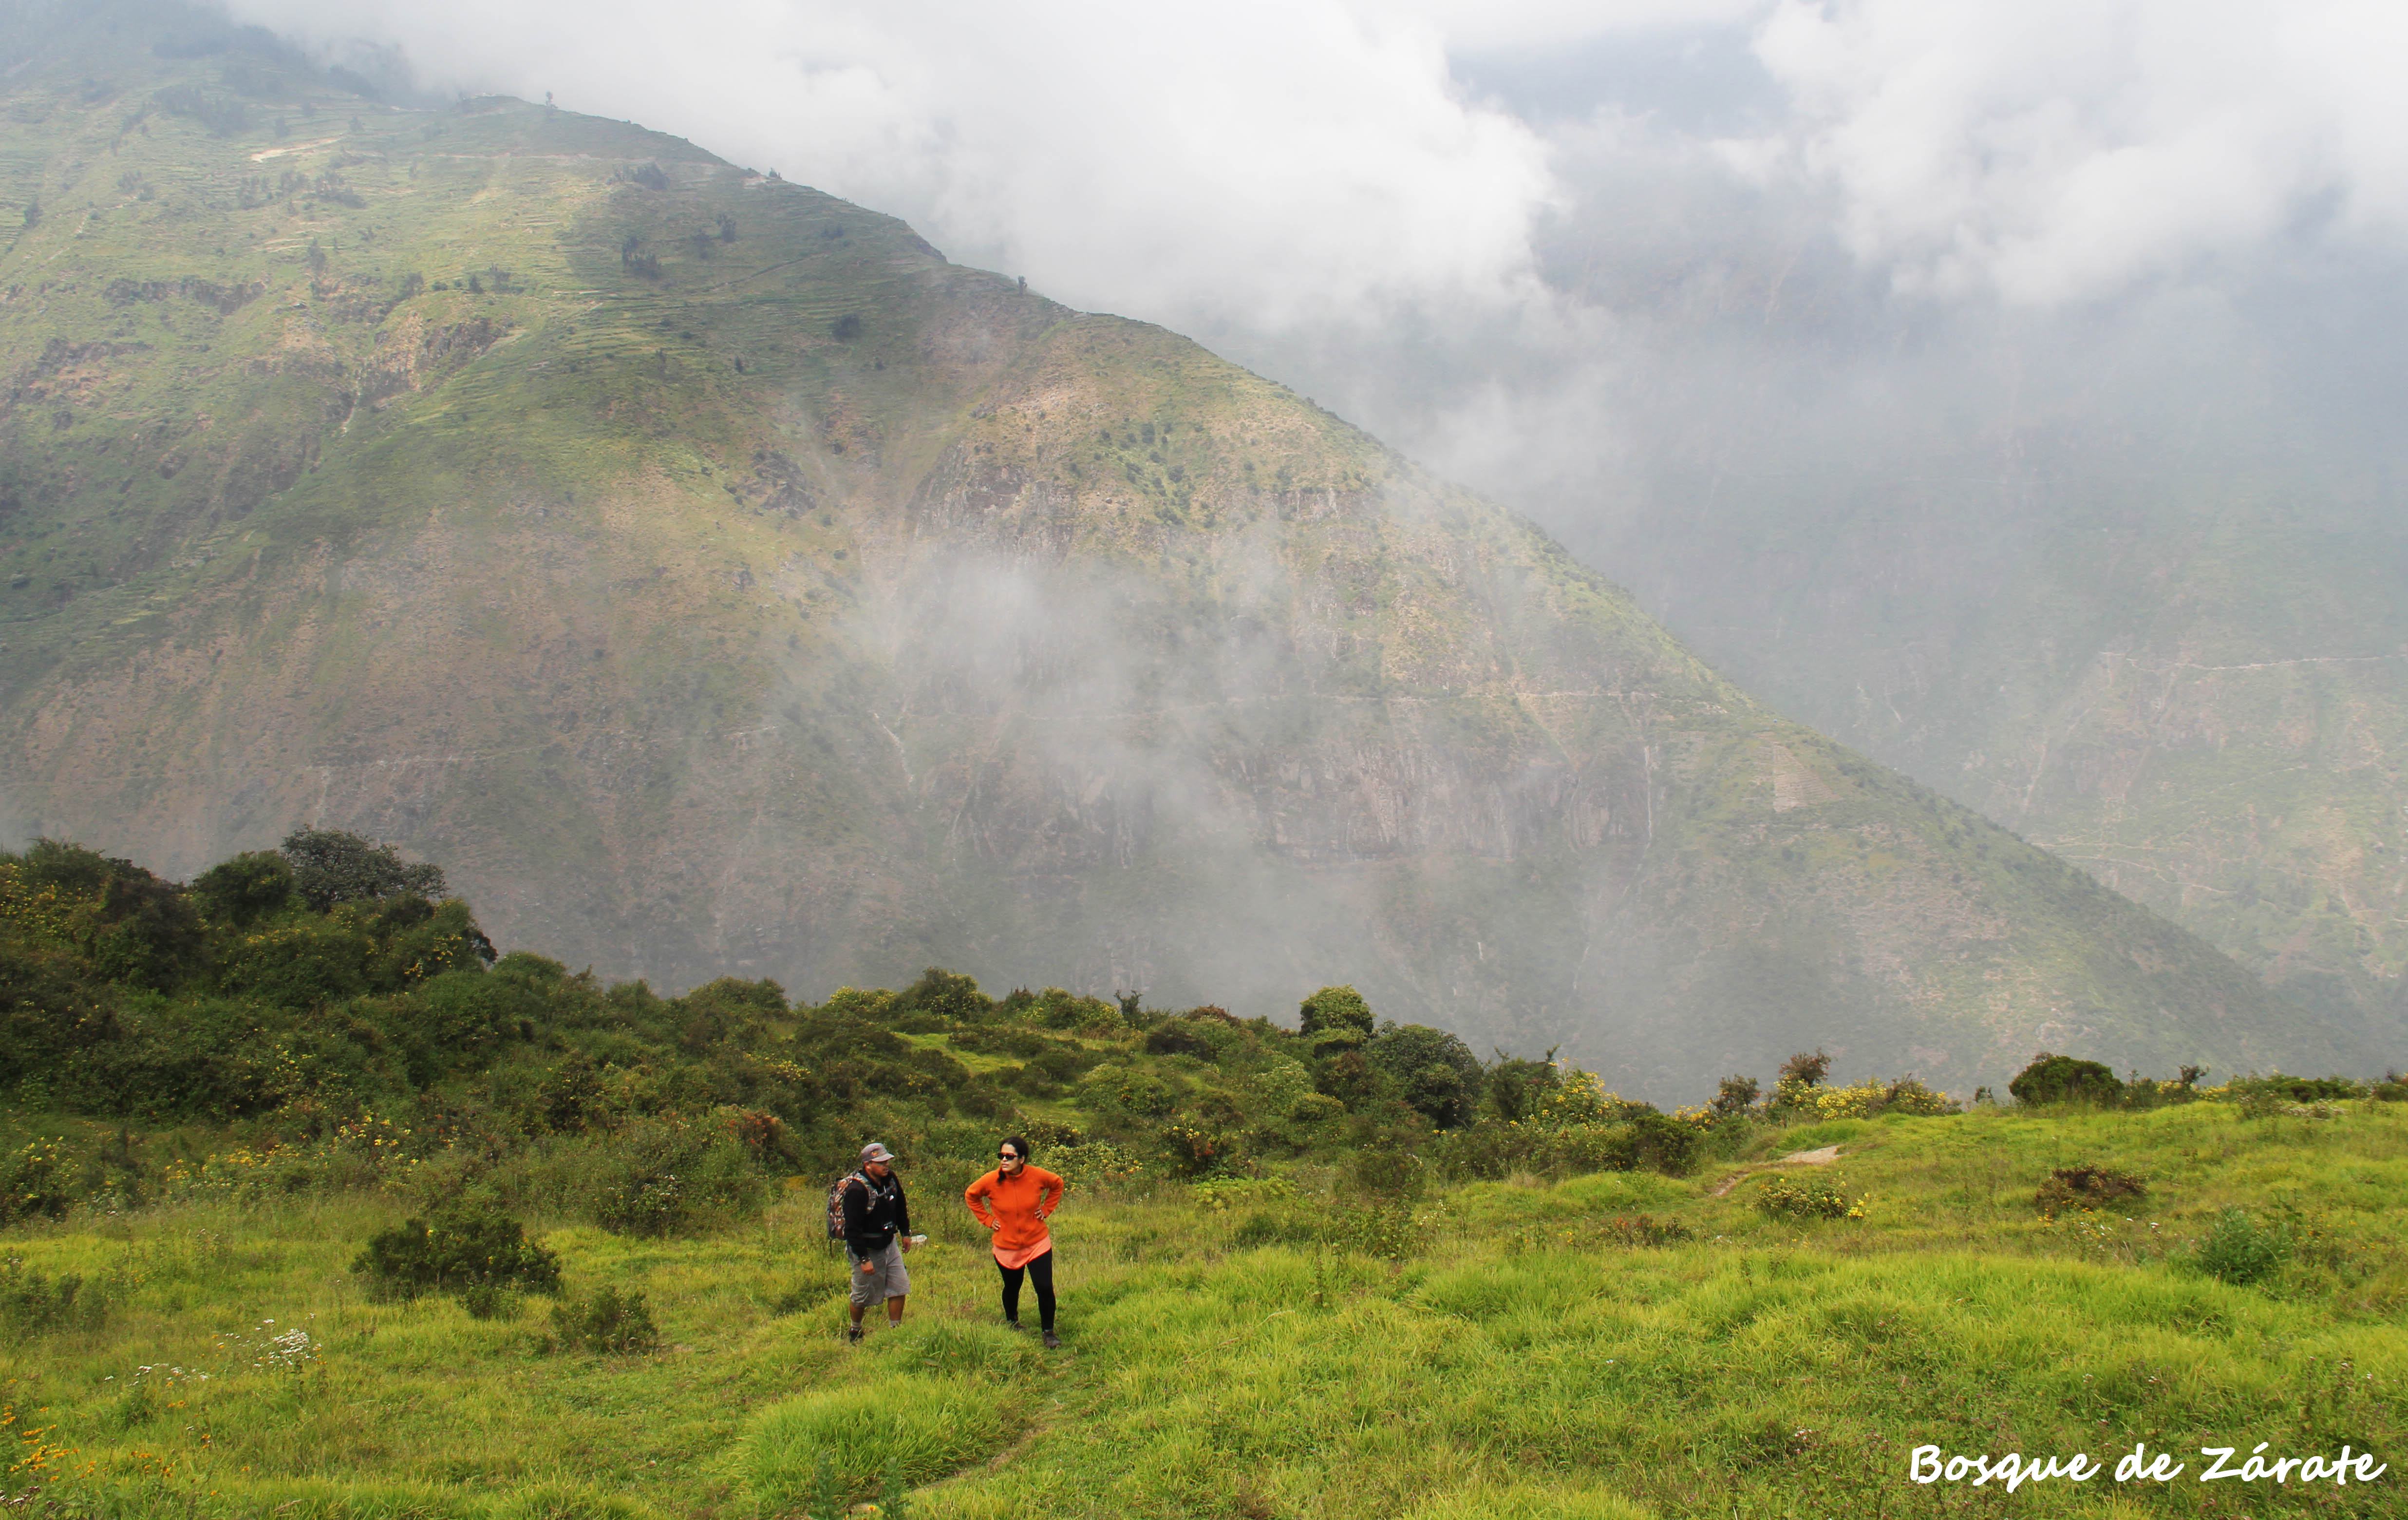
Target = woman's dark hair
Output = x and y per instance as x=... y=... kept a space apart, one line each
x=1016 y=1143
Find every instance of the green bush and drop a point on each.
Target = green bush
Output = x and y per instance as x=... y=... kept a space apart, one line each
x=610 y=1323
x=491 y=1300
x=460 y=1248
x=1664 y=1143
x=1802 y=1197
x=946 y=994
x=330 y=867
x=1385 y=1231
x=1436 y=1072
x=38 y=1183
x=1335 y=1009
x=302 y=965
x=2061 y=1079
x=466 y=1010
x=245 y=889
x=1385 y=1171
x=2239 y=1249
x=659 y=1176
x=1197 y=1150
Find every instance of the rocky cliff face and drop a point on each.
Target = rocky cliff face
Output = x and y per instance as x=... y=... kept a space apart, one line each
x=712 y=578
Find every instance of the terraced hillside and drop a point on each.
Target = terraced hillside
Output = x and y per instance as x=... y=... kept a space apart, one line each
x=715 y=579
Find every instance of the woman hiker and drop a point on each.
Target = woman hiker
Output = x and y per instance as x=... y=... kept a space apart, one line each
x=1014 y=1200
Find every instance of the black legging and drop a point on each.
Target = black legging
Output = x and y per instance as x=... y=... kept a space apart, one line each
x=1041 y=1272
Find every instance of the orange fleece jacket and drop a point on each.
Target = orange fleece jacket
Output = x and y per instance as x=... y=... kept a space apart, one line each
x=1017 y=1205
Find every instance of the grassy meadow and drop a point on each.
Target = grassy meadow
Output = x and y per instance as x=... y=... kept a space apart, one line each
x=1615 y=1344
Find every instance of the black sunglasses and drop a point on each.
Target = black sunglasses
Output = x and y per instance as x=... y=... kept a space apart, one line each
x=1007 y=1155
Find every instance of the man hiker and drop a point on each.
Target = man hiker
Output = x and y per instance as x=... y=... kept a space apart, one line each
x=1014 y=1200
x=877 y=1232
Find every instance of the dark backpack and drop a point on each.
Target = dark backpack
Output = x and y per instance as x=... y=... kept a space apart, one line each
x=836 y=1202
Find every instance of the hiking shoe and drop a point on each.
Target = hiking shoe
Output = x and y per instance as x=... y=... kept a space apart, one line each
x=1013 y=1324
x=1053 y=1341
x=852 y=1333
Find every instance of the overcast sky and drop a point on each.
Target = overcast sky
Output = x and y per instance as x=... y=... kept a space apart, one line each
x=1501 y=234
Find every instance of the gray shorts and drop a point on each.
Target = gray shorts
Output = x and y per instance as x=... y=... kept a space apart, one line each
x=887 y=1277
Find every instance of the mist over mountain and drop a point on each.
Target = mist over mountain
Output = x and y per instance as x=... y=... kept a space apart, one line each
x=2001 y=389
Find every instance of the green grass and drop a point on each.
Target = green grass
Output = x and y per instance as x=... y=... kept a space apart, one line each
x=1515 y=1362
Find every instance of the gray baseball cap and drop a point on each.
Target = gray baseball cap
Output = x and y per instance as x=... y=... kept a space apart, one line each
x=875 y=1152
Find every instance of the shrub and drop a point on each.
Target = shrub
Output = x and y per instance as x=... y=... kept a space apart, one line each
x=1174 y=1038
x=1093 y=1163
x=2061 y=1079
x=461 y=1247
x=1221 y=1192
x=1492 y=1149
x=1517 y=1087
x=657 y=1176
x=331 y=866
x=1194 y=1150
x=300 y=966
x=1734 y=1095
x=1794 y=1089
x=948 y=994
x=1055 y=1009
x=1436 y=1073
x=1872 y=1096
x=248 y=887
x=1384 y=1172
x=1386 y=1231
x=2238 y=1248
x=1802 y=1197
x=38 y=1183
x=2085 y=1187
x=610 y=1323
x=1664 y=1143
x=1050 y=1133
x=1335 y=1008
x=489 y=1301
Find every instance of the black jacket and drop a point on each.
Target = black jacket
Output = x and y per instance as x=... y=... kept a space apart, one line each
x=874 y=1214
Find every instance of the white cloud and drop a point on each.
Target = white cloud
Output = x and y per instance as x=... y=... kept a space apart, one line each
x=1243 y=160
x=2060 y=149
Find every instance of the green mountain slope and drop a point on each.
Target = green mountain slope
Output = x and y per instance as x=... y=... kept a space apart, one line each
x=715 y=579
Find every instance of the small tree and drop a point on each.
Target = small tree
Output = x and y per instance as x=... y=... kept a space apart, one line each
x=2061 y=1079
x=241 y=891
x=1335 y=1008
x=1516 y=1087
x=331 y=866
x=1439 y=1076
x=1800 y=1076
x=949 y=994
x=1734 y=1095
